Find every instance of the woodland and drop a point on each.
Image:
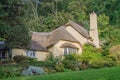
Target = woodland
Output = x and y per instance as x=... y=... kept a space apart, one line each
x=19 y=17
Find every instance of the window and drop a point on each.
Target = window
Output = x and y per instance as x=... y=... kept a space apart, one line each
x=70 y=50
x=3 y=55
x=30 y=54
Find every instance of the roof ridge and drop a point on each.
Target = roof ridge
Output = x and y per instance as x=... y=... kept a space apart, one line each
x=78 y=28
x=57 y=29
x=41 y=33
x=75 y=23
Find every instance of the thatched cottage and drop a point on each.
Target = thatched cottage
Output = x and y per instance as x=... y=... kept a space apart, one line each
x=66 y=39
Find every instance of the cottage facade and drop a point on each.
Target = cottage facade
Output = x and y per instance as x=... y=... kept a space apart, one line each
x=66 y=39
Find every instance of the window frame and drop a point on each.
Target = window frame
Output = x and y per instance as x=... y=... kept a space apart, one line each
x=31 y=53
x=69 y=50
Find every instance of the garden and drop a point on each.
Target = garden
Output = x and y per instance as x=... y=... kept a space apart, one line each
x=93 y=74
x=90 y=59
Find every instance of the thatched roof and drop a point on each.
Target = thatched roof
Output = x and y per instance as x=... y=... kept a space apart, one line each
x=78 y=28
x=68 y=45
x=60 y=34
x=43 y=40
x=39 y=41
x=36 y=46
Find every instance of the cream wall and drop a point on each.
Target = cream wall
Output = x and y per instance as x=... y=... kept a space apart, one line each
x=40 y=55
x=59 y=51
x=17 y=51
x=51 y=49
x=76 y=35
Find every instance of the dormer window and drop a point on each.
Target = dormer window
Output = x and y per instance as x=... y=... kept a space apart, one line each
x=31 y=54
x=69 y=48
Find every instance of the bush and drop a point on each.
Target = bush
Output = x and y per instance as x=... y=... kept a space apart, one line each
x=19 y=58
x=66 y=70
x=9 y=71
x=59 y=67
x=7 y=62
x=102 y=62
x=96 y=63
x=72 y=62
x=46 y=69
x=70 y=65
x=29 y=59
x=115 y=49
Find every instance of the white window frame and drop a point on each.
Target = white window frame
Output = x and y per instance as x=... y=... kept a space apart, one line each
x=69 y=50
x=31 y=54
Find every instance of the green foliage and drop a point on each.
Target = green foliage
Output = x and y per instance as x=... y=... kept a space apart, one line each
x=59 y=67
x=50 y=57
x=19 y=58
x=9 y=71
x=94 y=74
x=100 y=63
x=103 y=26
x=89 y=53
x=17 y=18
x=102 y=23
x=100 y=7
x=114 y=57
x=72 y=62
x=115 y=49
x=17 y=37
x=1 y=39
x=7 y=61
x=71 y=57
x=22 y=59
x=72 y=65
x=93 y=58
x=12 y=29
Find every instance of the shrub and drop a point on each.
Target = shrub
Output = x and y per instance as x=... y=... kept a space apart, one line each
x=70 y=57
x=90 y=57
x=29 y=59
x=96 y=63
x=7 y=62
x=66 y=70
x=102 y=62
x=46 y=69
x=70 y=65
x=19 y=58
x=50 y=57
x=110 y=63
x=115 y=49
x=53 y=71
x=72 y=61
x=59 y=67
x=9 y=71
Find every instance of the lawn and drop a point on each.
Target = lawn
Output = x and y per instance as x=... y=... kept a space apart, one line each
x=94 y=74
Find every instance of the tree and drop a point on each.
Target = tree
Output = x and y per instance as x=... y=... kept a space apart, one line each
x=12 y=29
x=108 y=7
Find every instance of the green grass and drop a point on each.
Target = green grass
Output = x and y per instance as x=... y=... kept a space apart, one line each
x=95 y=74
